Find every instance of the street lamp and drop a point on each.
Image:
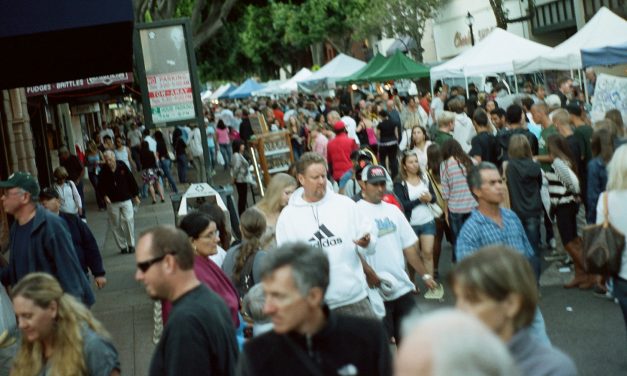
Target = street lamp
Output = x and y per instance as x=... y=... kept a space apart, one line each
x=469 y=21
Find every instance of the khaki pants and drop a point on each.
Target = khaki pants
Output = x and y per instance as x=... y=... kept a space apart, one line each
x=122 y=223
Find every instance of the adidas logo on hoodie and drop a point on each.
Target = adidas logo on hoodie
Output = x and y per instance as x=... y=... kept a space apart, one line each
x=324 y=238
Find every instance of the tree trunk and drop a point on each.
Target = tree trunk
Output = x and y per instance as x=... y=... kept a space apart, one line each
x=499 y=13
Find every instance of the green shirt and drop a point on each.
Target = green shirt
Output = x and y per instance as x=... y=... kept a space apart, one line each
x=583 y=134
x=542 y=144
x=441 y=136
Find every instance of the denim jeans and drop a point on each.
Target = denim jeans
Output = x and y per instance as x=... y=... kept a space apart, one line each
x=181 y=166
x=532 y=230
x=212 y=157
x=456 y=221
x=620 y=293
x=166 y=165
x=225 y=150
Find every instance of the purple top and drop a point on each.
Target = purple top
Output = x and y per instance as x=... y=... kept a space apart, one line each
x=213 y=277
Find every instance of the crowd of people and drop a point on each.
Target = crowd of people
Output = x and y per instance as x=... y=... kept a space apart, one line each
x=324 y=277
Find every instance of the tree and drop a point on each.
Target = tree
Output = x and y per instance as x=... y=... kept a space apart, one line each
x=500 y=13
x=207 y=16
x=406 y=18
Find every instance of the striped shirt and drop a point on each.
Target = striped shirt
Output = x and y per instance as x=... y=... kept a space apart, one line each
x=480 y=231
x=455 y=187
x=563 y=183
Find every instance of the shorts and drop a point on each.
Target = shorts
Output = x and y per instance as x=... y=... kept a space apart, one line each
x=424 y=229
x=566 y=215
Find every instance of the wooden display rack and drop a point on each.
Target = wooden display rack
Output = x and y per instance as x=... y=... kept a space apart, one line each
x=270 y=153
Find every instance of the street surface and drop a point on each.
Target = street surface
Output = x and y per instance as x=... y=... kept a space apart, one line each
x=588 y=328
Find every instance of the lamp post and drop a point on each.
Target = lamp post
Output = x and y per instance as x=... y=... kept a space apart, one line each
x=469 y=21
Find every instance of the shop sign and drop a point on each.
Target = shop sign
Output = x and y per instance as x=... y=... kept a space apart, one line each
x=171 y=96
x=80 y=84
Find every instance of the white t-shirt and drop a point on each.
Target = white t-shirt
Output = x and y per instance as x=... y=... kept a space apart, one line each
x=391 y=233
x=152 y=144
x=134 y=137
x=421 y=213
x=218 y=257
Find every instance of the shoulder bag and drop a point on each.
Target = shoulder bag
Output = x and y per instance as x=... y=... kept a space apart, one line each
x=506 y=203
x=437 y=208
x=603 y=245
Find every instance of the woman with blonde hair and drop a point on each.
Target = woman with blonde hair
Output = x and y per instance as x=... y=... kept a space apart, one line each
x=277 y=196
x=60 y=336
x=497 y=285
x=68 y=194
x=243 y=261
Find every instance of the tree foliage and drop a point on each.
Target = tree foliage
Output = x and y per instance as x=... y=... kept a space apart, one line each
x=207 y=16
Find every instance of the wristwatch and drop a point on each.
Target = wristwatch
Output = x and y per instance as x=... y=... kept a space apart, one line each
x=427 y=277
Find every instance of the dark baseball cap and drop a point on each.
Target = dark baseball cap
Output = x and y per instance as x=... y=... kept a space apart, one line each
x=49 y=193
x=374 y=174
x=22 y=180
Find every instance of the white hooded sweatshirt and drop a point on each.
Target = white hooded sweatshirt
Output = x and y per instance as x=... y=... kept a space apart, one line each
x=332 y=224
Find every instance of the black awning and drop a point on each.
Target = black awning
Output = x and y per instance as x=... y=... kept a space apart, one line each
x=44 y=41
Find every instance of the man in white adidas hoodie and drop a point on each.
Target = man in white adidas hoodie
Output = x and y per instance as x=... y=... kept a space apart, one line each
x=394 y=242
x=325 y=219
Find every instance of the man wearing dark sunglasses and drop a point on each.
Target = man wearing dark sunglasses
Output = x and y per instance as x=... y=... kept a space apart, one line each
x=198 y=338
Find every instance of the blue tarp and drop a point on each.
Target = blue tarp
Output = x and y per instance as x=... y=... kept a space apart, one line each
x=246 y=89
x=227 y=92
x=610 y=55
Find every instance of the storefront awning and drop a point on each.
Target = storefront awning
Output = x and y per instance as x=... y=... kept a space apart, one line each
x=44 y=41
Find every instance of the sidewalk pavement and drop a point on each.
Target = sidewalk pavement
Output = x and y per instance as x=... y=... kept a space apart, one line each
x=122 y=305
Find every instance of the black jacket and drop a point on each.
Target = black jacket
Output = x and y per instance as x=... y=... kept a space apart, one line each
x=344 y=343
x=119 y=185
x=524 y=180
x=401 y=191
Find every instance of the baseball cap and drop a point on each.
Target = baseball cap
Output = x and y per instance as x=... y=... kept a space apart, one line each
x=373 y=174
x=339 y=125
x=49 y=193
x=22 y=180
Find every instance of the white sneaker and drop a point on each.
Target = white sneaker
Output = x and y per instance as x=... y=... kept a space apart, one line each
x=553 y=243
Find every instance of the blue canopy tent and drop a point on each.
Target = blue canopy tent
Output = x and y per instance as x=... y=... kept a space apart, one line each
x=609 y=55
x=246 y=89
x=226 y=94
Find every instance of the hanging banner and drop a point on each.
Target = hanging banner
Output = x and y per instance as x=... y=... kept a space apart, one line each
x=80 y=84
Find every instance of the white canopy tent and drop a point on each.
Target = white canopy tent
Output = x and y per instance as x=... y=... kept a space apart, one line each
x=221 y=90
x=604 y=29
x=267 y=90
x=290 y=85
x=494 y=54
x=324 y=78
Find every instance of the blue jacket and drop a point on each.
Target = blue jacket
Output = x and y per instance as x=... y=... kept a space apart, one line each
x=597 y=180
x=52 y=252
x=85 y=244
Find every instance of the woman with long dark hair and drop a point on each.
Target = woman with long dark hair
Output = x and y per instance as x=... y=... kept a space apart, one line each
x=150 y=172
x=564 y=191
x=414 y=192
x=434 y=160
x=243 y=262
x=456 y=165
x=418 y=144
x=204 y=235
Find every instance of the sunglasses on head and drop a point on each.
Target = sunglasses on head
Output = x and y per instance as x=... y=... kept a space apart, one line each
x=145 y=265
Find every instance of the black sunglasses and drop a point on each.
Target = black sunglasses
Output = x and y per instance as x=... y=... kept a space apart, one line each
x=145 y=265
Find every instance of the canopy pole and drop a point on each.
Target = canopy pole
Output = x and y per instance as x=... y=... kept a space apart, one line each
x=516 y=83
x=466 y=79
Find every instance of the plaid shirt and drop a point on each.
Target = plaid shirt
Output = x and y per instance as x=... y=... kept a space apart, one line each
x=480 y=231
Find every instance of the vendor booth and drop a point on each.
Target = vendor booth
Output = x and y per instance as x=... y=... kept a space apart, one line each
x=246 y=89
x=604 y=29
x=493 y=54
x=326 y=77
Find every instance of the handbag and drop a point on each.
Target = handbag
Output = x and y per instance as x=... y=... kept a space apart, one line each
x=437 y=208
x=603 y=246
x=506 y=203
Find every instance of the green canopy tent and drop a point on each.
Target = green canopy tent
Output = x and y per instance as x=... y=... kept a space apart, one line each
x=373 y=65
x=398 y=67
